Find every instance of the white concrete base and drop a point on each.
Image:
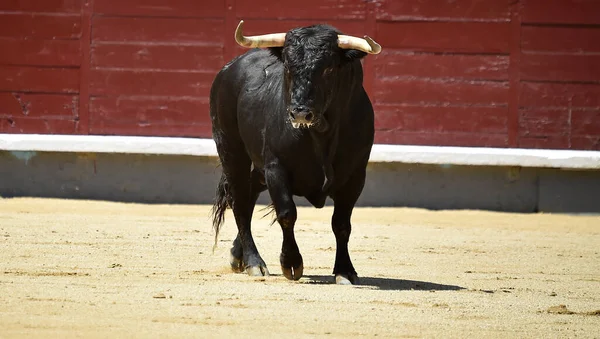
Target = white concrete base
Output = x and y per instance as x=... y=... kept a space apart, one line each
x=470 y=156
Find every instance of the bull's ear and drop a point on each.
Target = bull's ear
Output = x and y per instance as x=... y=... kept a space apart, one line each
x=352 y=54
x=277 y=51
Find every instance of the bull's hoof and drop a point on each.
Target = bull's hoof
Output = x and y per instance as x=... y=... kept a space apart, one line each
x=257 y=271
x=347 y=279
x=293 y=273
x=237 y=265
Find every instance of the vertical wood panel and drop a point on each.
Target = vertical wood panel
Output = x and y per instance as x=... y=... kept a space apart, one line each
x=84 y=72
x=514 y=76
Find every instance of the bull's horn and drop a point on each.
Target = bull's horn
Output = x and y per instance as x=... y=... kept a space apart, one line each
x=258 y=41
x=366 y=45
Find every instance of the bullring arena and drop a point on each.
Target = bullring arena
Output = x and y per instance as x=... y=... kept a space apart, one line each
x=480 y=214
x=75 y=268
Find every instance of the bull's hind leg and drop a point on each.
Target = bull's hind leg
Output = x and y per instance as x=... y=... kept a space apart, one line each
x=278 y=185
x=237 y=170
x=344 y=201
x=237 y=252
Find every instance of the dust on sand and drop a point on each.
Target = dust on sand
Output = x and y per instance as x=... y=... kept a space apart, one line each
x=101 y=269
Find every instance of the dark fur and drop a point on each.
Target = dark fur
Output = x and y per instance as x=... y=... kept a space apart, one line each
x=250 y=101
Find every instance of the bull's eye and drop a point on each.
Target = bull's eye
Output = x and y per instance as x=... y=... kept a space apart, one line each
x=327 y=70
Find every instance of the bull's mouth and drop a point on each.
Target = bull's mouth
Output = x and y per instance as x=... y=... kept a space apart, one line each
x=298 y=125
x=320 y=125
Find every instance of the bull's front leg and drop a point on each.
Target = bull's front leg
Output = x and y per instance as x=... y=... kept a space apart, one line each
x=278 y=184
x=344 y=201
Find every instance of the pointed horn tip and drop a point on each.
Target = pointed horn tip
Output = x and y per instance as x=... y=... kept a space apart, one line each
x=239 y=33
x=375 y=47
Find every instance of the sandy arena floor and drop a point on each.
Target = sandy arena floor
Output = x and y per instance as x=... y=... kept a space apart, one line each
x=99 y=269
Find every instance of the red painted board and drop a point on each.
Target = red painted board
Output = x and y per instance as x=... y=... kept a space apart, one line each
x=457 y=66
x=126 y=82
x=158 y=57
x=307 y=9
x=560 y=68
x=441 y=139
x=534 y=94
x=165 y=30
x=409 y=91
x=159 y=116
x=561 y=11
x=31 y=26
x=149 y=111
x=447 y=37
x=37 y=126
x=585 y=122
x=45 y=6
x=543 y=121
x=459 y=10
x=179 y=130
x=547 y=142
x=38 y=105
x=588 y=142
x=32 y=79
x=40 y=52
x=441 y=119
x=562 y=39
x=161 y=8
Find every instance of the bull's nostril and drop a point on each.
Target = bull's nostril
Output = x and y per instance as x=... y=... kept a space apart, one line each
x=309 y=117
x=292 y=115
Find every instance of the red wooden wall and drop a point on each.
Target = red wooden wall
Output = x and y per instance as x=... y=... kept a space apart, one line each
x=499 y=73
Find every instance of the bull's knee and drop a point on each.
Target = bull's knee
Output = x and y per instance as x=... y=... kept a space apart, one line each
x=287 y=217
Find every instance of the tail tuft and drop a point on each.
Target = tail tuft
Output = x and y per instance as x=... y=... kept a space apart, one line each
x=223 y=200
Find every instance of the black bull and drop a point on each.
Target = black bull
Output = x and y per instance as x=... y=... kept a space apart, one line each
x=292 y=118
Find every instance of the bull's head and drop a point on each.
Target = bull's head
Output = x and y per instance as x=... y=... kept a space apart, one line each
x=312 y=58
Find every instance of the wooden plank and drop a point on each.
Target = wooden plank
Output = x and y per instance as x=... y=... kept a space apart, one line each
x=588 y=142
x=46 y=6
x=441 y=118
x=154 y=116
x=559 y=95
x=37 y=126
x=114 y=128
x=547 y=142
x=307 y=9
x=447 y=37
x=150 y=110
x=474 y=67
x=31 y=79
x=83 y=127
x=560 y=68
x=459 y=10
x=127 y=82
x=514 y=74
x=411 y=91
x=164 y=30
x=585 y=122
x=561 y=39
x=38 y=105
x=159 y=57
x=162 y=8
x=561 y=11
x=543 y=122
x=32 y=26
x=441 y=139
x=40 y=52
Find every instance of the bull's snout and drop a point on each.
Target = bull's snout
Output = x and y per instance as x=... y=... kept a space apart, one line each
x=301 y=115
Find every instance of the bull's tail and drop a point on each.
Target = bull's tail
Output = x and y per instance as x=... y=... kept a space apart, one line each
x=223 y=199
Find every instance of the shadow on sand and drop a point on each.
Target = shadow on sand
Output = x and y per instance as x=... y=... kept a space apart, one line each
x=388 y=284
